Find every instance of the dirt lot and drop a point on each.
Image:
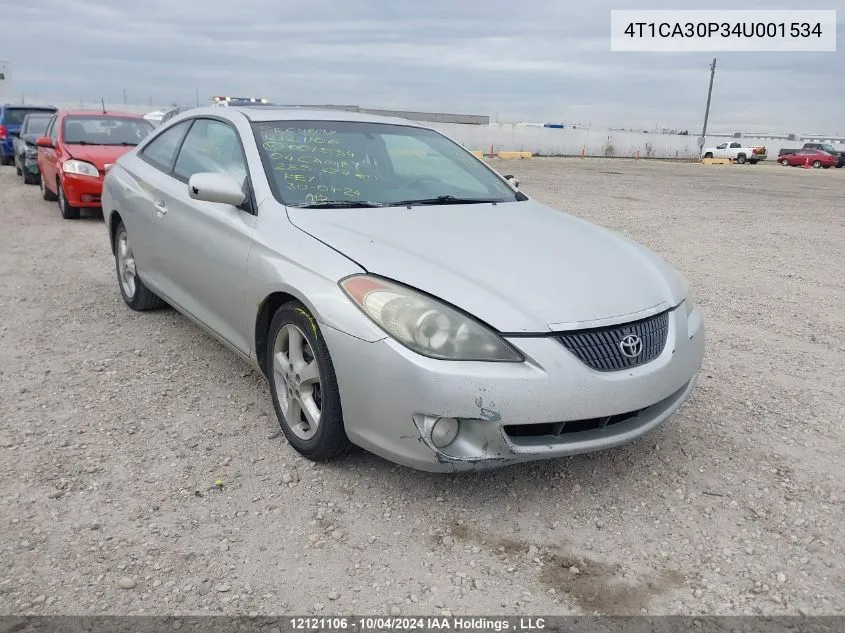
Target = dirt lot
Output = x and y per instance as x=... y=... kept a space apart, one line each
x=115 y=425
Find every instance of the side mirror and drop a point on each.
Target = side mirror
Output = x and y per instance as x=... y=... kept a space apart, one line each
x=216 y=187
x=44 y=141
x=512 y=181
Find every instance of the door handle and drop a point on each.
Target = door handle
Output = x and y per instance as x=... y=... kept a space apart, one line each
x=161 y=208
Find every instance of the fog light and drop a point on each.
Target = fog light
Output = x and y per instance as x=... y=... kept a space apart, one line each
x=444 y=432
x=86 y=197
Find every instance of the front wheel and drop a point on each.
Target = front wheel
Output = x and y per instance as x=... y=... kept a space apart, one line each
x=817 y=164
x=303 y=385
x=136 y=295
x=708 y=155
x=784 y=162
x=48 y=195
x=68 y=212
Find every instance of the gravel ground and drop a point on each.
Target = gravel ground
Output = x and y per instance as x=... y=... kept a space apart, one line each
x=115 y=427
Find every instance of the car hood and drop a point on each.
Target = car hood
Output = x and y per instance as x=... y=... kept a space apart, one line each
x=519 y=267
x=98 y=155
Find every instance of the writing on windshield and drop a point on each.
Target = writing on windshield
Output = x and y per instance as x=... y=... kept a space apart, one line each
x=318 y=162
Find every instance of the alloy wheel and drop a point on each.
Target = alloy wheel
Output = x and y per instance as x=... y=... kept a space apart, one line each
x=126 y=265
x=296 y=375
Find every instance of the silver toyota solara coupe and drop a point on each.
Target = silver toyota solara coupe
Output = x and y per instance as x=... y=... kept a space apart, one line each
x=398 y=293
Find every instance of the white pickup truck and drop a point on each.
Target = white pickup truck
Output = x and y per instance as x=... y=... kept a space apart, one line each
x=735 y=151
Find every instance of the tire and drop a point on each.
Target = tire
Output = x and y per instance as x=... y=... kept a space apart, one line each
x=784 y=162
x=708 y=155
x=48 y=195
x=30 y=179
x=741 y=159
x=753 y=162
x=293 y=328
x=5 y=161
x=135 y=294
x=68 y=212
x=18 y=170
x=817 y=164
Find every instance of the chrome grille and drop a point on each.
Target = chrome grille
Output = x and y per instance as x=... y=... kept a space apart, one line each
x=600 y=348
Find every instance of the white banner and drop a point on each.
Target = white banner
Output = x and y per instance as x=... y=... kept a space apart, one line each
x=723 y=30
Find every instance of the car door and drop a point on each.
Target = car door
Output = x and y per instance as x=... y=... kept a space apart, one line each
x=721 y=151
x=47 y=155
x=203 y=246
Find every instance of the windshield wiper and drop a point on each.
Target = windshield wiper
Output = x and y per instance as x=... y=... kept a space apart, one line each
x=81 y=143
x=339 y=204
x=444 y=200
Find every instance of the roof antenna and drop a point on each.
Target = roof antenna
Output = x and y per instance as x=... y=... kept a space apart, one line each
x=102 y=101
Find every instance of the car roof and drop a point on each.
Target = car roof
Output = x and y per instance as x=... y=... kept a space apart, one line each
x=271 y=113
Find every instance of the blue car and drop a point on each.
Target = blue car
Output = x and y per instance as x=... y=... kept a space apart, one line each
x=11 y=117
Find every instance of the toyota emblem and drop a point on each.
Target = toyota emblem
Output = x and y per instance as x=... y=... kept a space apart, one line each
x=631 y=345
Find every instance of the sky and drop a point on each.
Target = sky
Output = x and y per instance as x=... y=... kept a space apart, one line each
x=532 y=60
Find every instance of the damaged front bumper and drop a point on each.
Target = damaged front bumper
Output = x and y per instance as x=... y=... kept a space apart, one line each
x=553 y=405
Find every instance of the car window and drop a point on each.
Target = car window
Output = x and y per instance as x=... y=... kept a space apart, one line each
x=35 y=125
x=54 y=130
x=211 y=146
x=340 y=162
x=161 y=151
x=736 y=145
x=15 y=116
x=722 y=146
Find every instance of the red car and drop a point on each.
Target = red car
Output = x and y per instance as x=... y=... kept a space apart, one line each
x=77 y=149
x=813 y=157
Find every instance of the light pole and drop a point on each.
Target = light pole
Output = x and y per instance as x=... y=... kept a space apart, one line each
x=707 y=110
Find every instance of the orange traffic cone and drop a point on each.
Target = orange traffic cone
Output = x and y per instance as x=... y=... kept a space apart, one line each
x=807 y=163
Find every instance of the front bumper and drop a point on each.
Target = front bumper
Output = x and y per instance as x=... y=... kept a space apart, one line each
x=391 y=396
x=83 y=191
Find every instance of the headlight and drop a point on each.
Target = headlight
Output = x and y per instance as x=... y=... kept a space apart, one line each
x=689 y=300
x=426 y=325
x=80 y=168
x=31 y=152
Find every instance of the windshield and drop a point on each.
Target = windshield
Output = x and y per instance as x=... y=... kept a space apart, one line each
x=371 y=164
x=36 y=125
x=104 y=130
x=14 y=116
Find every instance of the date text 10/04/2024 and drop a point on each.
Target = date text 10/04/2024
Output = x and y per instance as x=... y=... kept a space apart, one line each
x=724 y=29
x=409 y=623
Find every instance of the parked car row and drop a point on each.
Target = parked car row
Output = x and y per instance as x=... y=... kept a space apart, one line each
x=811 y=149
x=68 y=152
x=396 y=291
x=815 y=158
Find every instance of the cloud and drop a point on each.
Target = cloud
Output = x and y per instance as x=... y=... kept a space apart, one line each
x=532 y=60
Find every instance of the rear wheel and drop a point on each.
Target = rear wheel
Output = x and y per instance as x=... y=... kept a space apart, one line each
x=68 y=212
x=303 y=385
x=46 y=193
x=817 y=164
x=753 y=162
x=741 y=159
x=136 y=295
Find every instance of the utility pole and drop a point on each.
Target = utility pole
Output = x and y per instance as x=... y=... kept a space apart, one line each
x=198 y=96
x=707 y=110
